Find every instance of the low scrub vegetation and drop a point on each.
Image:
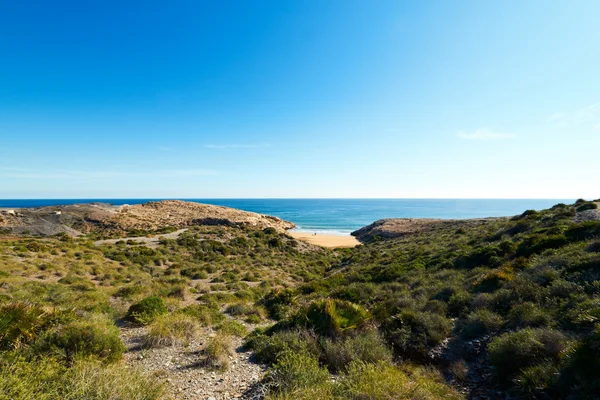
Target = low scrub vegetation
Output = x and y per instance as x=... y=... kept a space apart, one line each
x=172 y=329
x=217 y=352
x=401 y=318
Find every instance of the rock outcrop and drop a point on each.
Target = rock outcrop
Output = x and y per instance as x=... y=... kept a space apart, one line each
x=398 y=227
x=79 y=219
x=393 y=227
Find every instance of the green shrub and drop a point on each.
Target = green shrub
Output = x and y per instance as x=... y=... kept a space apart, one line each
x=128 y=291
x=267 y=349
x=92 y=381
x=205 y=315
x=295 y=371
x=535 y=244
x=436 y=307
x=564 y=289
x=528 y=314
x=20 y=323
x=217 y=352
x=581 y=375
x=97 y=337
x=367 y=347
x=459 y=370
x=479 y=323
x=234 y=328
x=331 y=317
x=171 y=329
x=413 y=333
x=384 y=381
x=459 y=303
x=279 y=302
x=537 y=379
x=47 y=379
x=583 y=207
x=583 y=231
x=146 y=310
x=252 y=313
x=513 y=351
x=194 y=273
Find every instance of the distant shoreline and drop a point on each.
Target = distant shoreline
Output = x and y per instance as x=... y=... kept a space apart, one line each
x=329 y=241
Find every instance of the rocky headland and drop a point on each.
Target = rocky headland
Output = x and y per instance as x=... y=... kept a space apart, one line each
x=79 y=219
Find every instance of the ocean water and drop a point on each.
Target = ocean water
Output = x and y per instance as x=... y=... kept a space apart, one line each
x=342 y=216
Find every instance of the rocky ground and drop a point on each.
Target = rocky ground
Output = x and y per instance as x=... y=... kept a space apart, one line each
x=587 y=215
x=180 y=368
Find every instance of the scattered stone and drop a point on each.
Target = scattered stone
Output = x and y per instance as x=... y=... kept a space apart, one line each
x=183 y=374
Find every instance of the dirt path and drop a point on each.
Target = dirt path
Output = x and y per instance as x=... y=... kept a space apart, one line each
x=148 y=241
x=180 y=368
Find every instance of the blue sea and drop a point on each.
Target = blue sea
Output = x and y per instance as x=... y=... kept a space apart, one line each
x=342 y=216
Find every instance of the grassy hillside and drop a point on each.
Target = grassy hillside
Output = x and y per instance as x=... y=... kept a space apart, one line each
x=460 y=309
x=499 y=306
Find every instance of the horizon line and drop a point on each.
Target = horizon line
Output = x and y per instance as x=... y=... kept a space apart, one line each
x=291 y=198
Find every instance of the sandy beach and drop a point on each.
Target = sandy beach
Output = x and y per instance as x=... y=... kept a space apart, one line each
x=331 y=241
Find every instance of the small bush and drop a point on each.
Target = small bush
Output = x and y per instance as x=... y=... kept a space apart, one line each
x=460 y=370
x=128 y=291
x=528 y=314
x=587 y=206
x=147 y=310
x=251 y=313
x=194 y=273
x=384 y=381
x=295 y=371
x=234 y=328
x=20 y=323
x=581 y=374
x=583 y=231
x=564 y=289
x=279 y=302
x=514 y=351
x=479 y=323
x=171 y=329
x=413 y=333
x=205 y=315
x=217 y=352
x=97 y=337
x=538 y=378
x=267 y=349
x=493 y=279
x=366 y=347
x=459 y=303
x=331 y=317
x=46 y=379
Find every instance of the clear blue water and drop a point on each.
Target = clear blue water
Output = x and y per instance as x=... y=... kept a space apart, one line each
x=342 y=216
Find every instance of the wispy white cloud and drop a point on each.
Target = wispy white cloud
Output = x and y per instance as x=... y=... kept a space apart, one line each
x=586 y=116
x=236 y=146
x=484 y=134
x=25 y=173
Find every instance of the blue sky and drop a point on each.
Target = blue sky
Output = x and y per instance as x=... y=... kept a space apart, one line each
x=306 y=98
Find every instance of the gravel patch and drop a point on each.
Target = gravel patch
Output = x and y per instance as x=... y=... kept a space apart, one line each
x=181 y=370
